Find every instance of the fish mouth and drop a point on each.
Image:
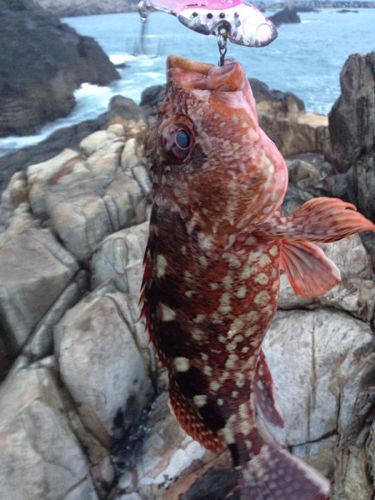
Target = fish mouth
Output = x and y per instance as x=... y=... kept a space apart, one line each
x=195 y=75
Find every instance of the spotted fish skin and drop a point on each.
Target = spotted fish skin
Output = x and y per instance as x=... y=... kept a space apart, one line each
x=212 y=269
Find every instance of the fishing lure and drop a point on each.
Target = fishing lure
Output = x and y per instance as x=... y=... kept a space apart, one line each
x=236 y=20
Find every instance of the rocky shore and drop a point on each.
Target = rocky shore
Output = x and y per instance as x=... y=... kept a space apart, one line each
x=42 y=62
x=83 y=404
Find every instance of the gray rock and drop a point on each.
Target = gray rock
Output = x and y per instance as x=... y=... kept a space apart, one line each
x=321 y=390
x=165 y=454
x=86 y=207
x=352 y=118
x=101 y=364
x=120 y=258
x=34 y=271
x=40 y=456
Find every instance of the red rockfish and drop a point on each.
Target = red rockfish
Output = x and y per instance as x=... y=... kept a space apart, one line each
x=212 y=266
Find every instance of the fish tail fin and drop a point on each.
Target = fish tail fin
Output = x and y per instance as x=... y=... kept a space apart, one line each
x=269 y=472
x=319 y=219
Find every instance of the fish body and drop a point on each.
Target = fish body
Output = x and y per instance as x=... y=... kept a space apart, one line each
x=245 y=24
x=212 y=268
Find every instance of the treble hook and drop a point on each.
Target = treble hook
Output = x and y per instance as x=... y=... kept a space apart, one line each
x=222 y=40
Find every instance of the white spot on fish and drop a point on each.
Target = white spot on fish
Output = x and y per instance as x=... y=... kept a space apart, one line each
x=261 y=278
x=167 y=314
x=231 y=362
x=215 y=386
x=200 y=400
x=262 y=298
x=274 y=251
x=199 y=318
x=241 y=292
x=228 y=436
x=161 y=265
x=181 y=364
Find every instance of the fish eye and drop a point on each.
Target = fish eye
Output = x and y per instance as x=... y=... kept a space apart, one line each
x=182 y=139
x=177 y=142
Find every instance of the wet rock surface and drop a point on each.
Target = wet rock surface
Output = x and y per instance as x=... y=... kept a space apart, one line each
x=77 y=373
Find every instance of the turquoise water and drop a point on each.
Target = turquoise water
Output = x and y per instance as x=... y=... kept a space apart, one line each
x=305 y=59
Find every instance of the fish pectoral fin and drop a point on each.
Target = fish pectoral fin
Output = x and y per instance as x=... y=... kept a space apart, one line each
x=264 y=391
x=309 y=271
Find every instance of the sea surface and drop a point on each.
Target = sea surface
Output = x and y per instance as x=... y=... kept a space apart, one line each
x=305 y=59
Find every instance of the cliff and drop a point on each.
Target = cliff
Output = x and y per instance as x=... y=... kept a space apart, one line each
x=42 y=62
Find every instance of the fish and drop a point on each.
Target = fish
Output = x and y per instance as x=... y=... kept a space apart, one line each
x=218 y=241
x=241 y=20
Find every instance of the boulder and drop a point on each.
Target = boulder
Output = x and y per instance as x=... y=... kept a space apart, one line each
x=94 y=343
x=34 y=271
x=352 y=118
x=120 y=258
x=288 y=15
x=40 y=455
x=166 y=454
x=37 y=86
x=65 y=8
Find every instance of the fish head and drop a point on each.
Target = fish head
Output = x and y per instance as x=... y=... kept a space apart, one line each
x=208 y=150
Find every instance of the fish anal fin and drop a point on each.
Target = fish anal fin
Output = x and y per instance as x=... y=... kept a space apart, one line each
x=309 y=271
x=264 y=392
x=190 y=420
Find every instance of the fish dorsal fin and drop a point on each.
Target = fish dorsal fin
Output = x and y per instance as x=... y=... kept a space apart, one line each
x=265 y=393
x=309 y=271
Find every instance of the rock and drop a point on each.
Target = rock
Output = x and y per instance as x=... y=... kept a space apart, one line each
x=84 y=208
x=66 y=8
x=38 y=85
x=166 y=453
x=120 y=258
x=124 y=108
x=324 y=391
x=40 y=456
x=352 y=118
x=34 y=271
x=96 y=345
x=68 y=137
x=151 y=96
x=287 y=15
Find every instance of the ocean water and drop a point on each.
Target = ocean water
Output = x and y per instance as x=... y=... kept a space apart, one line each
x=305 y=59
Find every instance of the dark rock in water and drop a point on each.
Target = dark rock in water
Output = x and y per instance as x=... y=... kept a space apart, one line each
x=346 y=11
x=352 y=118
x=352 y=131
x=286 y=100
x=152 y=95
x=42 y=62
x=124 y=108
x=68 y=137
x=286 y=16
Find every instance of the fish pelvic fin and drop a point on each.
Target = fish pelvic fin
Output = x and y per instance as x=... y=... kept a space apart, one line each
x=267 y=472
x=190 y=420
x=309 y=271
x=320 y=219
x=264 y=392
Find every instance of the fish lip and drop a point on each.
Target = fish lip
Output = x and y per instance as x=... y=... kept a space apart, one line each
x=195 y=75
